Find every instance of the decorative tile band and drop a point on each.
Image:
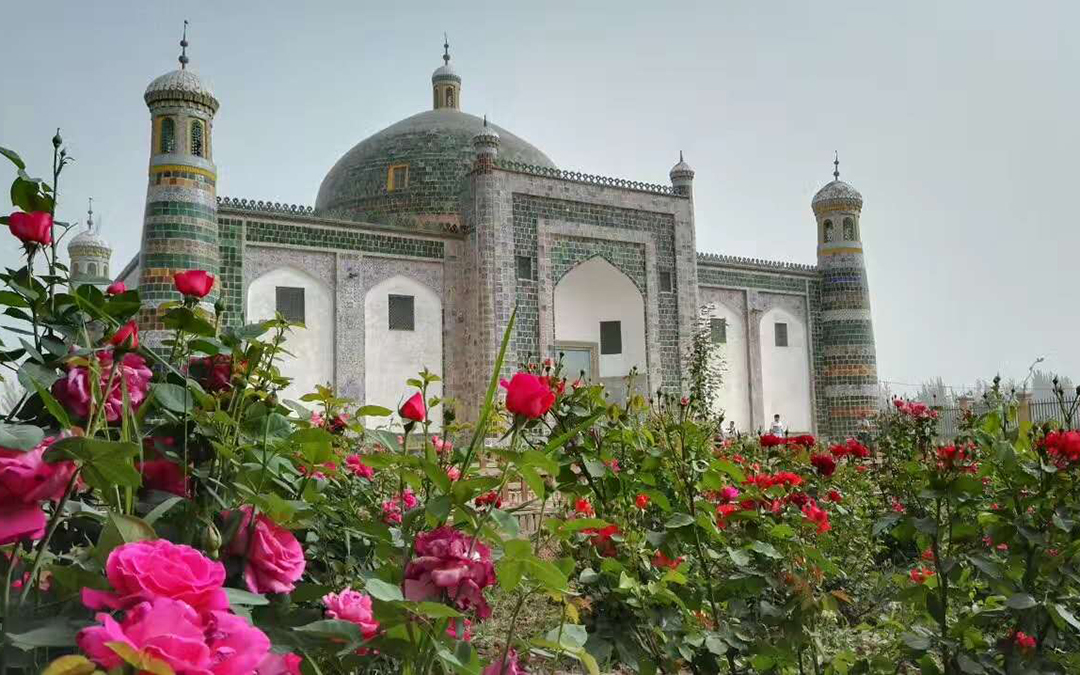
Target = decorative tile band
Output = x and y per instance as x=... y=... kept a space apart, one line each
x=180 y=170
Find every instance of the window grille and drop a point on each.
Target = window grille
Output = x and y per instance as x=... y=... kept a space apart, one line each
x=401 y=312
x=398 y=177
x=290 y=303
x=611 y=337
x=781 y=335
x=197 y=138
x=524 y=267
x=718 y=329
x=168 y=135
x=665 y=282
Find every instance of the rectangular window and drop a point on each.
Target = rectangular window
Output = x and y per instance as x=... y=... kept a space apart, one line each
x=524 y=267
x=718 y=329
x=611 y=337
x=781 y=335
x=665 y=282
x=402 y=316
x=290 y=303
x=397 y=177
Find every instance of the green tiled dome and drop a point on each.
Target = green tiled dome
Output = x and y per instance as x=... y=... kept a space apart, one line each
x=437 y=147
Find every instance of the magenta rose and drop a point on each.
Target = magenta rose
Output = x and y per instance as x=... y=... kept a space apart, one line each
x=194 y=283
x=509 y=667
x=279 y=664
x=168 y=630
x=236 y=647
x=528 y=395
x=116 y=288
x=27 y=480
x=275 y=560
x=414 y=409
x=449 y=562
x=146 y=570
x=32 y=228
x=354 y=607
x=74 y=390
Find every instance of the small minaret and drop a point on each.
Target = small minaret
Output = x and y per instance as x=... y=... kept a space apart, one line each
x=486 y=143
x=180 y=230
x=848 y=372
x=89 y=254
x=682 y=178
x=446 y=83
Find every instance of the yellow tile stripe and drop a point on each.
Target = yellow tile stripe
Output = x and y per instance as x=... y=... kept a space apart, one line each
x=179 y=167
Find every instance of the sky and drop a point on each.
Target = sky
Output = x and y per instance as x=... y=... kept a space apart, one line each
x=956 y=120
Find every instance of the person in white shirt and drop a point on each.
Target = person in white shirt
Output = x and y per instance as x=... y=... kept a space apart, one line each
x=777 y=428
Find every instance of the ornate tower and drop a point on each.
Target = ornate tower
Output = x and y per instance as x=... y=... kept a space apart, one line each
x=682 y=178
x=849 y=369
x=180 y=230
x=89 y=254
x=446 y=83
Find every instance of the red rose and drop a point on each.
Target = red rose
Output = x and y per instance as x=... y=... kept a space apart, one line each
x=275 y=560
x=818 y=516
x=825 y=464
x=835 y=496
x=1024 y=642
x=528 y=396
x=195 y=283
x=642 y=501
x=127 y=336
x=661 y=560
x=583 y=507
x=414 y=409
x=116 y=288
x=163 y=475
x=771 y=441
x=32 y=228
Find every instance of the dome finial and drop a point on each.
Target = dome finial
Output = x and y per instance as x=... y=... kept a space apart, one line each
x=183 y=48
x=680 y=156
x=485 y=119
x=836 y=165
x=446 y=49
x=90 y=215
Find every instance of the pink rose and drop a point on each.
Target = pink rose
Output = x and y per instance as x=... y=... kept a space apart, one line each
x=26 y=480
x=528 y=396
x=279 y=664
x=354 y=607
x=146 y=570
x=75 y=392
x=729 y=493
x=453 y=473
x=414 y=409
x=163 y=475
x=236 y=647
x=358 y=468
x=275 y=560
x=32 y=228
x=449 y=562
x=195 y=283
x=509 y=667
x=168 y=630
x=126 y=336
x=116 y=288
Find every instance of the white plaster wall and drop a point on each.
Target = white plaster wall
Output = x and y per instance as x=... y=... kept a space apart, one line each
x=734 y=394
x=313 y=346
x=785 y=371
x=596 y=291
x=393 y=356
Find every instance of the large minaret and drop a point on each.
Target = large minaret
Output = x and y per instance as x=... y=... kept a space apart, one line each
x=180 y=230
x=849 y=371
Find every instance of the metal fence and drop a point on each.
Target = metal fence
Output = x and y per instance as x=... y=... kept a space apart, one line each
x=1039 y=411
x=1050 y=410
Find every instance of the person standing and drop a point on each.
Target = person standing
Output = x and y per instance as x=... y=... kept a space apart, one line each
x=777 y=428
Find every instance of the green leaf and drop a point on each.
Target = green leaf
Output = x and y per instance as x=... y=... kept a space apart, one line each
x=173 y=397
x=57 y=632
x=678 y=520
x=507 y=523
x=31 y=373
x=1021 y=601
x=381 y=590
x=968 y=665
x=766 y=549
x=344 y=634
x=509 y=573
x=434 y=610
x=121 y=529
x=1068 y=616
x=436 y=475
x=534 y=481
x=731 y=469
x=918 y=643
x=20 y=436
x=53 y=406
x=738 y=556
x=546 y=573
x=106 y=464
x=373 y=411
x=481 y=428
x=885 y=523
x=182 y=318
x=14 y=157
x=162 y=508
x=241 y=597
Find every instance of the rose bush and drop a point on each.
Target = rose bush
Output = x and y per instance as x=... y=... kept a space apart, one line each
x=162 y=509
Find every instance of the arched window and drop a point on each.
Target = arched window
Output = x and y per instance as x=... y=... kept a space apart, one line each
x=168 y=135
x=828 y=232
x=91 y=269
x=449 y=97
x=197 y=138
x=849 y=229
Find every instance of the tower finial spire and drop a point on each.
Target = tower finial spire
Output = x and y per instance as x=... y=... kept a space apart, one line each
x=446 y=49
x=836 y=165
x=680 y=156
x=90 y=215
x=183 y=48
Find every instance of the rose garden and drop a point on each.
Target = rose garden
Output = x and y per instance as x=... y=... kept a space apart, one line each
x=165 y=511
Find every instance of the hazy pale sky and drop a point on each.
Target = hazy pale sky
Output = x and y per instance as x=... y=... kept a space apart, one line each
x=956 y=120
